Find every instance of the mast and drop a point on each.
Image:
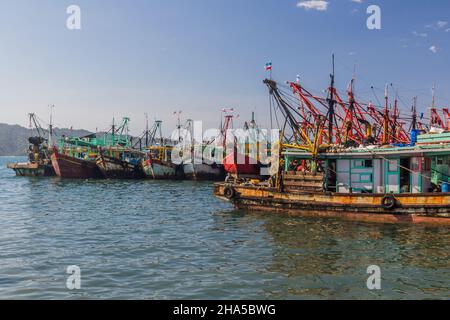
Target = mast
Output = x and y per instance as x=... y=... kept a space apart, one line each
x=159 y=124
x=146 y=129
x=414 y=114
x=433 y=106
x=37 y=125
x=331 y=104
x=113 y=132
x=394 y=119
x=179 y=126
x=50 y=126
x=386 y=117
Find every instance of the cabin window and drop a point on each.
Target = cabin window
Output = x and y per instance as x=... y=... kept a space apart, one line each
x=393 y=166
x=358 y=164
x=366 y=178
x=362 y=164
x=368 y=164
x=362 y=178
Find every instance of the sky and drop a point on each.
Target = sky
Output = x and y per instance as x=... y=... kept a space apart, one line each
x=199 y=56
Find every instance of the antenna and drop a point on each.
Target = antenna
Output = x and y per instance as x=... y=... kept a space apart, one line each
x=414 y=114
x=331 y=103
x=50 y=126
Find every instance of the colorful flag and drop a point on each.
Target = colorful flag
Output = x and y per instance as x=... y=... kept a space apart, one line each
x=268 y=66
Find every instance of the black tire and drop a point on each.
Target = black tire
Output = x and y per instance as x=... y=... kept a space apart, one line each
x=229 y=193
x=388 y=202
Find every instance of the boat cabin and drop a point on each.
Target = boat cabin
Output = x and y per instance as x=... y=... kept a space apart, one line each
x=378 y=170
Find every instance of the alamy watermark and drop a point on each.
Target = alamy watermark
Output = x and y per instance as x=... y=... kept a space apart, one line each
x=248 y=146
x=374 y=280
x=73 y=22
x=73 y=282
x=374 y=20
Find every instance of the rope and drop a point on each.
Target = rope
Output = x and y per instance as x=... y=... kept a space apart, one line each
x=405 y=168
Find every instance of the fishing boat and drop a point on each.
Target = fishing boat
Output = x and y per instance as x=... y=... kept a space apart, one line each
x=349 y=160
x=243 y=162
x=157 y=160
x=75 y=164
x=375 y=184
x=158 y=165
x=76 y=157
x=120 y=163
x=203 y=166
x=39 y=162
x=197 y=157
x=203 y=171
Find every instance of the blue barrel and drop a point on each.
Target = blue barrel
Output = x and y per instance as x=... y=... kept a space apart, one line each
x=445 y=187
x=414 y=135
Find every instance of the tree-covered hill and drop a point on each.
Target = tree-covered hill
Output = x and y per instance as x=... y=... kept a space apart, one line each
x=14 y=138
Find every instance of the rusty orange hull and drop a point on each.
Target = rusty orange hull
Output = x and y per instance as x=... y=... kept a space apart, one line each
x=409 y=208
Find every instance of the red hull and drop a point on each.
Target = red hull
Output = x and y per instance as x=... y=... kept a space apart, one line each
x=74 y=168
x=240 y=164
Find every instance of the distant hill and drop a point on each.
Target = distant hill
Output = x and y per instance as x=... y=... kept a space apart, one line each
x=14 y=138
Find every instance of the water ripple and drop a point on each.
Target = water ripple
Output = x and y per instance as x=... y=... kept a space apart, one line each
x=173 y=240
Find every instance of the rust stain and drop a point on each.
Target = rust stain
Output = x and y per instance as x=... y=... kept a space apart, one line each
x=411 y=208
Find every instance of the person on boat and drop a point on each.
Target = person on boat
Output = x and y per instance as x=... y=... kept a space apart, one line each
x=293 y=166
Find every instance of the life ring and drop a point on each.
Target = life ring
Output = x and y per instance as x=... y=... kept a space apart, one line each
x=388 y=202
x=229 y=193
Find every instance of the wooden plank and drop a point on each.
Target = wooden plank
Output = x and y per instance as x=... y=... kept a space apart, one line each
x=303 y=184
x=303 y=177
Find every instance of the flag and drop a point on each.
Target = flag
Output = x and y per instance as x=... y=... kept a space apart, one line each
x=268 y=66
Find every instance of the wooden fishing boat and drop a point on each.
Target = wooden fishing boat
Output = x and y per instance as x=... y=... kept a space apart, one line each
x=240 y=164
x=203 y=171
x=243 y=162
x=158 y=165
x=406 y=184
x=71 y=167
x=422 y=208
x=39 y=162
x=32 y=169
x=161 y=170
x=331 y=163
x=121 y=164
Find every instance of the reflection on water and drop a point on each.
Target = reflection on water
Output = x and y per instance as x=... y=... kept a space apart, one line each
x=328 y=258
x=161 y=240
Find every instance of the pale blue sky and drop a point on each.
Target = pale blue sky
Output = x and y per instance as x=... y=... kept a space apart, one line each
x=158 y=56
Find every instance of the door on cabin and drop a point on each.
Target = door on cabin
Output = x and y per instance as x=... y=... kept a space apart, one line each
x=392 y=175
x=405 y=175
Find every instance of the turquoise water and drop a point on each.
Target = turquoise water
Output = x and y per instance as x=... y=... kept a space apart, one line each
x=174 y=240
